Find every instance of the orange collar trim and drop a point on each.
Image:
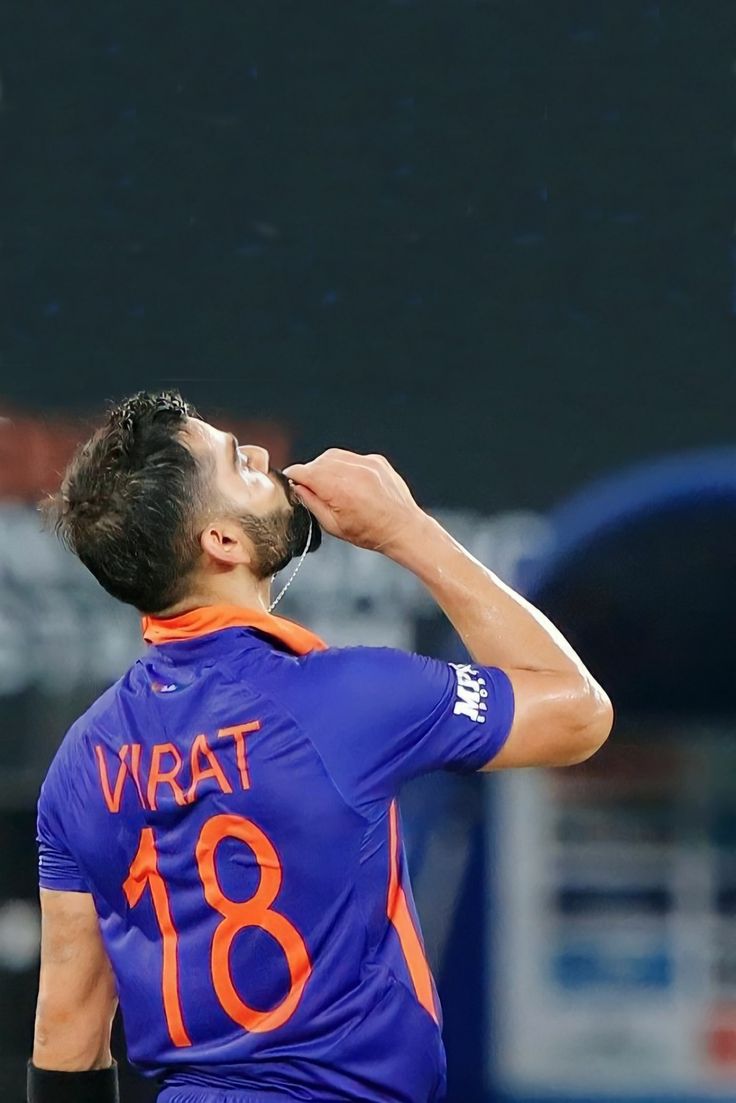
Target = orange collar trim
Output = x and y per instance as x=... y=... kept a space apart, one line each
x=213 y=618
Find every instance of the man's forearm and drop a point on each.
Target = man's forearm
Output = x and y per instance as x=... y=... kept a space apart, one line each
x=497 y=626
x=69 y=1046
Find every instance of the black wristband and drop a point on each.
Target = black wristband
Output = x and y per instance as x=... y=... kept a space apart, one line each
x=97 y=1086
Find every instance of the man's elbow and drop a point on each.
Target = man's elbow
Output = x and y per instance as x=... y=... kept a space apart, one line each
x=590 y=724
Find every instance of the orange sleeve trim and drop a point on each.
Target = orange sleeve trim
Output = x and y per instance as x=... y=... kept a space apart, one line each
x=403 y=923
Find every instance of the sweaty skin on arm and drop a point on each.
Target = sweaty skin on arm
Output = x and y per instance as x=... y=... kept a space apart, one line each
x=562 y=715
x=77 y=998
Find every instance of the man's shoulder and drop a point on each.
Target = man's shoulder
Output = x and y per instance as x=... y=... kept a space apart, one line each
x=346 y=677
x=357 y=659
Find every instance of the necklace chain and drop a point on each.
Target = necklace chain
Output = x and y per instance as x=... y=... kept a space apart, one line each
x=276 y=600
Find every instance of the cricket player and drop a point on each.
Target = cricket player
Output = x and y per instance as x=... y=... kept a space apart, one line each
x=220 y=844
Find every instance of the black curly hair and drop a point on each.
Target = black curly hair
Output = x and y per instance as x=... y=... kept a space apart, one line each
x=131 y=501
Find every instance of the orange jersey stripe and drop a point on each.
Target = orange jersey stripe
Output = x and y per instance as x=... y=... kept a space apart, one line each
x=401 y=918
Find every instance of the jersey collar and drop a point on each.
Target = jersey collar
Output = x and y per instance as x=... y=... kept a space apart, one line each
x=213 y=618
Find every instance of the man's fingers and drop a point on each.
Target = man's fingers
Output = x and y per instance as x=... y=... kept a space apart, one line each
x=319 y=509
x=358 y=498
x=328 y=476
x=306 y=476
x=318 y=475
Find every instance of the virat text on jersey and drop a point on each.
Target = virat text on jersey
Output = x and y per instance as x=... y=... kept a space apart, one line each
x=166 y=767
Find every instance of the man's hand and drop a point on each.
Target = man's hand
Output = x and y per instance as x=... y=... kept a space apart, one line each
x=360 y=499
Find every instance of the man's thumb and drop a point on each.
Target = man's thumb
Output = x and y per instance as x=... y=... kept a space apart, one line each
x=294 y=471
x=302 y=480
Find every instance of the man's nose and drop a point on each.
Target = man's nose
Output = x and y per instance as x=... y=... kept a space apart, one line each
x=257 y=457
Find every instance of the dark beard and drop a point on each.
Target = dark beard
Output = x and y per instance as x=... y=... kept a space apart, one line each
x=282 y=535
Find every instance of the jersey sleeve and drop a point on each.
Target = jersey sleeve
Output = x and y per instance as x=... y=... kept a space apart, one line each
x=380 y=717
x=57 y=867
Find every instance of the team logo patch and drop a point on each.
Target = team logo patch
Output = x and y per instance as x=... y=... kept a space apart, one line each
x=471 y=693
x=164 y=687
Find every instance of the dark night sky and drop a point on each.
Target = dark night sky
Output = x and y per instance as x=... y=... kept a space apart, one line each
x=491 y=239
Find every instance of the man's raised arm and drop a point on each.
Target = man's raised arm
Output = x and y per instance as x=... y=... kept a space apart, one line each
x=562 y=715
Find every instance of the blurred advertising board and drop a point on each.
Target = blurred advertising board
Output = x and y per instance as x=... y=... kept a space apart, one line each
x=613 y=925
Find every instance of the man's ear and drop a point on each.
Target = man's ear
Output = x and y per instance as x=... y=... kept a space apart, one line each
x=225 y=542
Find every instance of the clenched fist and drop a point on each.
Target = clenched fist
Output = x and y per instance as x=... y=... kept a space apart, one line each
x=360 y=499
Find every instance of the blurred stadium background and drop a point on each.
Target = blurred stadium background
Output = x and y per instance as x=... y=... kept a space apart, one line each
x=493 y=240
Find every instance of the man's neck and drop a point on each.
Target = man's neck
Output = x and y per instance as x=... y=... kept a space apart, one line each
x=245 y=592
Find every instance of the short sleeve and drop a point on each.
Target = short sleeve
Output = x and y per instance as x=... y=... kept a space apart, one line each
x=380 y=717
x=57 y=867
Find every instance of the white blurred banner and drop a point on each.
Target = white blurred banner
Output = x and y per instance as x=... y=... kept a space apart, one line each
x=60 y=631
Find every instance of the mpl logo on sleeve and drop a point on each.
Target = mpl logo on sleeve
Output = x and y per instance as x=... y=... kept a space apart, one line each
x=471 y=693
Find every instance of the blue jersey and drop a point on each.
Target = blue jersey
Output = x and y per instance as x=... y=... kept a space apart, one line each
x=230 y=804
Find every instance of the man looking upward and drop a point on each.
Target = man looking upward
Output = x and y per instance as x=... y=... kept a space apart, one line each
x=220 y=845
